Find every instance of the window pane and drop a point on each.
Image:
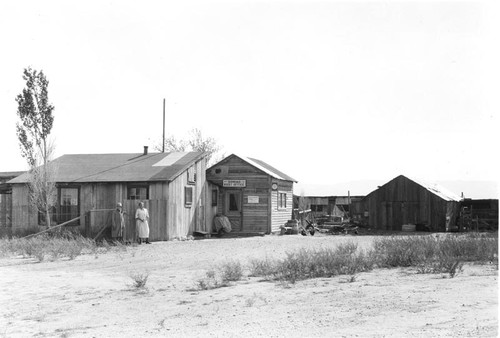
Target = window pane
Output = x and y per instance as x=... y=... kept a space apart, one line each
x=69 y=208
x=188 y=195
x=233 y=202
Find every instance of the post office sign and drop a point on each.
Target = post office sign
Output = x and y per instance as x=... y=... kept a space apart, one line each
x=234 y=183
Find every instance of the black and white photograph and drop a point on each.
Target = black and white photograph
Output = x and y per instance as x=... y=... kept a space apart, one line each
x=249 y=168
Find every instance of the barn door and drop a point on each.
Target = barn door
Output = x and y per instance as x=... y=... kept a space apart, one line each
x=233 y=209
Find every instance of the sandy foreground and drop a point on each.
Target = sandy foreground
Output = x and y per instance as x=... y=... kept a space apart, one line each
x=94 y=297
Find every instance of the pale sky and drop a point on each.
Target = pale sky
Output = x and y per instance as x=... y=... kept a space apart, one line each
x=326 y=91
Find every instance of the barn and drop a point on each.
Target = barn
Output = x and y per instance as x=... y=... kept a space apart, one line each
x=171 y=185
x=408 y=201
x=255 y=197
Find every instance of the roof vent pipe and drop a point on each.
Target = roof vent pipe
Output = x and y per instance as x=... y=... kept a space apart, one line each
x=145 y=150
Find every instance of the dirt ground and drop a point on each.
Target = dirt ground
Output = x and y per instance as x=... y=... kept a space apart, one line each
x=94 y=297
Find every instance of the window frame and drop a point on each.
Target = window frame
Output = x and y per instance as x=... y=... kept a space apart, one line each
x=215 y=197
x=191 y=175
x=188 y=192
x=282 y=196
x=137 y=186
x=59 y=214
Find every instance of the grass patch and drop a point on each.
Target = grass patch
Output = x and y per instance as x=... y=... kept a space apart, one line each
x=436 y=254
x=345 y=259
x=53 y=247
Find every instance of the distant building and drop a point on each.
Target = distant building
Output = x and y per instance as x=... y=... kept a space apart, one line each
x=407 y=201
x=327 y=205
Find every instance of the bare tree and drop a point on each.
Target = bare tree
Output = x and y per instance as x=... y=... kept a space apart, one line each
x=195 y=142
x=33 y=130
x=42 y=187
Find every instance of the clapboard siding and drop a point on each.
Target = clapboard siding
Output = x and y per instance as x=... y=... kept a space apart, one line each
x=280 y=216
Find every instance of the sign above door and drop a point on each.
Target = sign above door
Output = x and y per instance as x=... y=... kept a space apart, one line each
x=234 y=183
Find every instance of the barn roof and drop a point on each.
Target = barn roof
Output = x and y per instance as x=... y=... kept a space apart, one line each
x=136 y=167
x=437 y=189
x=433 y=188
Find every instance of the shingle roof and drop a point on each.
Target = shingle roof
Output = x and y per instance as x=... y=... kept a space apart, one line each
x=120 y=167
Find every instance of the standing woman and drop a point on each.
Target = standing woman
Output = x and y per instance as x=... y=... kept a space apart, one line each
x=141 y=224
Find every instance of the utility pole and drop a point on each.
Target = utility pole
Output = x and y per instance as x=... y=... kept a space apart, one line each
x=163 y=143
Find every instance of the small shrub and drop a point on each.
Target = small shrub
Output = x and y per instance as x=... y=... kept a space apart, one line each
x=262 y=268
x=210 y=281
x=231 y=271
x=139 y=279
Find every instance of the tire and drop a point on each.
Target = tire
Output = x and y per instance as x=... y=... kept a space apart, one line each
x=311 y=230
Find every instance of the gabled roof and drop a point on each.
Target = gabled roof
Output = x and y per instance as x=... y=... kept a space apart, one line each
x=434 y=188
x=262 y=166
x=120 y=167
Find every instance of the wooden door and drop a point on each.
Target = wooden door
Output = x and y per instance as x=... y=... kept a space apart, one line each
x=233 y=209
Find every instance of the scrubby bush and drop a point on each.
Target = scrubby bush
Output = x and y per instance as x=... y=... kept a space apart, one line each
x=262 y=268
x=436 y=254
x=231 y=271
x=139 y=279
x=54 y=246
x=346 y=259
x=220 y=276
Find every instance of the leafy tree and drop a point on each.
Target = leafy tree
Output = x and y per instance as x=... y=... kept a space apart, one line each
x=33 y=130
x=195 y=142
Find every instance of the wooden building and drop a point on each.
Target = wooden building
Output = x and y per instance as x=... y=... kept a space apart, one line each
x=255 y=197
x=482 y=213
x=407 y=201
x=171 y=185
x=6 y=201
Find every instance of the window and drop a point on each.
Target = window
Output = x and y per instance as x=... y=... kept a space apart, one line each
x=233 y=201
x=215 y=197
x=138 y=192
x=191 y=175
x=282 y=200
x=69 y=205
x=188 y=196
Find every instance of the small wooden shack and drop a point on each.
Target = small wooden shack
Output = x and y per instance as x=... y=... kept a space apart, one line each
x=89 y=186
x=255 y=197
x=408 y=201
